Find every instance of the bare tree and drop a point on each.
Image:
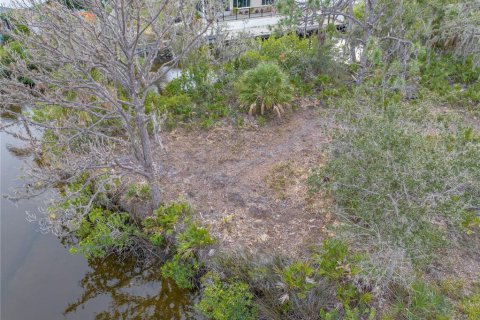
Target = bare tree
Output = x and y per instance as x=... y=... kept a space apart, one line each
x=84 y=78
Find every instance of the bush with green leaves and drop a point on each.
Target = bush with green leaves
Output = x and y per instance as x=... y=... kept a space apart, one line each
x=192 y=238
x=182 y=271
x=176 y=108
x=420 y=301
x=198 y=77
x=298 y=276
x=341 y=266
x=302 y=58
x=10 y=51
x=403 y=178
x=458 y=82
x=170 y=231
x=184 y=102
x=102 y=232
x=266 y=86
x=332 y=285
x=165 y=218
x=327 y=284
x=333 y=255
x=349 y=314
x=230 y=300
x=139 y=191
x=160 y=226
x=172 y=228
x=184 y=266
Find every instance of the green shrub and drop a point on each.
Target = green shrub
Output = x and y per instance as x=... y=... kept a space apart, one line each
x=179 y=105
x=175 y=220
x=190 y=99
x=339 y=266
x=301 y=58
x=102 y=232
x=156 y=239
x=14 y=48
x=333 y=256
x=421 y=302
x=471 y=307
x=141 y=191
x=198 y=77
x=171 y=227
x=301 y=289
x=174 y=87
x=265 y=86
x=184 y=266
x=167 y=215
x=12 y=51
x=144 y=191
x=164 y=219
x=175 y=108
x=181 y=271
x=250 y=59
x=294 y=54
x=192 y=238
x=391 y=174
x=298 y=276
x=454 y=80
x=226 y=301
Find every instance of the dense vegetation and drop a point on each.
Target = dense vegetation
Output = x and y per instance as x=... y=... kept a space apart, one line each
x=402 y=172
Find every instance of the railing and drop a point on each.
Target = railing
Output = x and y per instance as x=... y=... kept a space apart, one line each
x=247 y=13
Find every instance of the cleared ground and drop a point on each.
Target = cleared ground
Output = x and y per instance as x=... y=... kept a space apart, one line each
x=249 y=185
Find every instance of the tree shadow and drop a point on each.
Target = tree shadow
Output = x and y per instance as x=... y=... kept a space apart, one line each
x=133 y=292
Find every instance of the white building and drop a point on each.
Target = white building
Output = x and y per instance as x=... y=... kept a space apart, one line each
x=248 y=3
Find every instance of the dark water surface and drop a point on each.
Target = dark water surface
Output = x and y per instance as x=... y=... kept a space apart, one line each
x=41 y=280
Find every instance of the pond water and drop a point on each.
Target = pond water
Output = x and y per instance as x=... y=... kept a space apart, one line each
x=41 y=280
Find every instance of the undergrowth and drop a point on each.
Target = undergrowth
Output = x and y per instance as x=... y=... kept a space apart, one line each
x=457 y=82
x=322 y=287
x=403 y=178
x=210 y=90
x=170 y=234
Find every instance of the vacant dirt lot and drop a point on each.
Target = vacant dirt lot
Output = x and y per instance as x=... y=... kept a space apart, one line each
x=249 y=185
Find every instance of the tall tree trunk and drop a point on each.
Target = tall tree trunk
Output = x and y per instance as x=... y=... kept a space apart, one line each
x=321 y=31
x=351 y=44
x=363 y=58
x=367 y=33
x=147 y=151
x=155 y=193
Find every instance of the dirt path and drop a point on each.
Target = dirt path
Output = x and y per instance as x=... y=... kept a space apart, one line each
x=249 y=185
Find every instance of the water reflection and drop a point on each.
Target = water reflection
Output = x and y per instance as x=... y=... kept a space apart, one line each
x=10 y=113
x=39 y=277
x=19 y=152
x=133 y=292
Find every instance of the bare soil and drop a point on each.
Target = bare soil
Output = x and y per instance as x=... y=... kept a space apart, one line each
x=248 y=185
